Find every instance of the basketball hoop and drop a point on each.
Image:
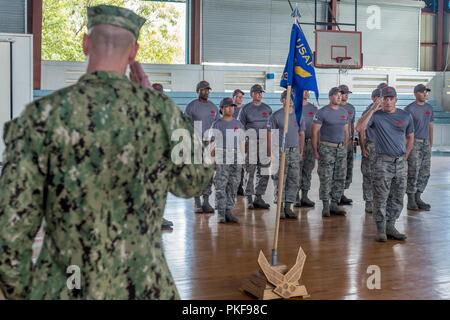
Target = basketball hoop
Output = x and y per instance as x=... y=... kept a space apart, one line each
x=341 y=59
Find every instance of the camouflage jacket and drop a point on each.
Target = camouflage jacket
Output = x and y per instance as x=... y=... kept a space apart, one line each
x=94 y=161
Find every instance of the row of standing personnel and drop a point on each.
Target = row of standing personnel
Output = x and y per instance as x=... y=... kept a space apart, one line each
x=328 y=136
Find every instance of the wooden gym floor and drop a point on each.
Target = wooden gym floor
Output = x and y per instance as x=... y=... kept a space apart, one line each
x=209 y=260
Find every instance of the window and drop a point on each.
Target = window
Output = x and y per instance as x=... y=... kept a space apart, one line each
x=162 y=39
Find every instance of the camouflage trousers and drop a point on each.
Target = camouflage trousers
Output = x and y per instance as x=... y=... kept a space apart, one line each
x=350 y=157
x=332 y=168
x=208 y=189
x=366 y=170
x=306 y=166
x=261 y=179
x=226 y=182
x=291 y=176
x=389 y=186
x=419 y=166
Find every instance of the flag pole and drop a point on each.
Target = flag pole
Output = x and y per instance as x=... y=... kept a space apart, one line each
x=281 y=171
x=295 y=14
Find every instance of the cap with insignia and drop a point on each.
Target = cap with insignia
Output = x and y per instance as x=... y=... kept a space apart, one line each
x=376 y=93
x=238 y=91
x=333 y=91
x=203 y=85
x=256 y=88
x=158 y=87
x=284 y=95
x=344 y=89
x=227 y=102
x=388 y=92
x=421 y=88
x=116 y=16
x=382 y=85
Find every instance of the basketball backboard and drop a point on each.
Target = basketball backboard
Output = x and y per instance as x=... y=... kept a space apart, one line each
x=338 y=49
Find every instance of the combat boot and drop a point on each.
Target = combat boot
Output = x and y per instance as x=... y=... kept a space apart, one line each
x=166 y=224
x=422 y=205
x=206 y=207
x=221 y=216
x=393 y=233
x=229 y=217
x=306 y=202
x=250 y=202
x=198 y=205
x=345 y=201
x=381 y=232
x=298 y=202
x=369 y=207
x=282 y=214
x=259 y=203
x=337 y=210
x=288 y=211
x=326 y=208
x=412 y=205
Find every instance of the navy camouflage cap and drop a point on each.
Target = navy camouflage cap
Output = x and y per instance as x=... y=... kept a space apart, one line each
x=256 y=88
x=333 y=91
x=421 y=88
x=227 y=102
x=116 y=16
x=344 y=89
x=203 y=85
x=388 y=92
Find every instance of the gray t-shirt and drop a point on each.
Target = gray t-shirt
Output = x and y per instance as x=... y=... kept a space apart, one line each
x=236 y=112
x=232 y=133
x=351 y=117
x=308 y=112
x=351 y=112
x=206 y=112
x=370 y=134
x=276 y=121
x=255 y=117
x=333 y=122
x=390 y=131
x=422 y=117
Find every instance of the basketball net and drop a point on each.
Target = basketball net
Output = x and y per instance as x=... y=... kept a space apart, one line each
x=343 y=63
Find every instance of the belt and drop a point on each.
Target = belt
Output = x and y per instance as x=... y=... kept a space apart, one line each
x=390 y=158
x=421 y=140
x=334 y=145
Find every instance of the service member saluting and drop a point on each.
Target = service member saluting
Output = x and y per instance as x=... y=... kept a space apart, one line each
x=393 y=131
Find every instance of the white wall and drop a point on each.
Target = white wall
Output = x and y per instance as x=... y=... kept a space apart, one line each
x=252 y=31
x=257 y=31
x=395 y=41
x=56 y=75
x=22 y=76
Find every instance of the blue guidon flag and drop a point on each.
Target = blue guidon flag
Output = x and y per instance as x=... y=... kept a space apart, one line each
x=299 y=71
